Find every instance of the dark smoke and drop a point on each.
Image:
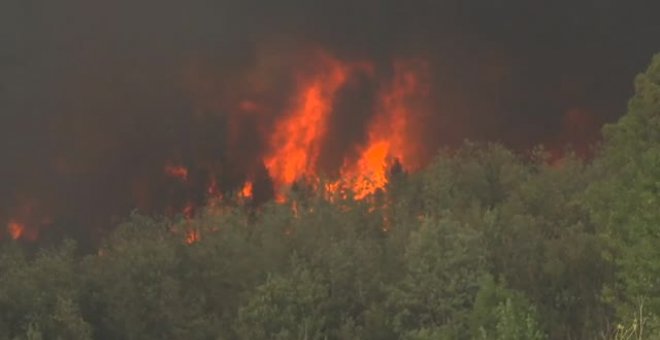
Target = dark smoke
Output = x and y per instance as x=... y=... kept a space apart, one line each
x=95 y=97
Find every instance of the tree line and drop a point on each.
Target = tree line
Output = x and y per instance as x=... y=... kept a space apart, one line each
x=483 y=243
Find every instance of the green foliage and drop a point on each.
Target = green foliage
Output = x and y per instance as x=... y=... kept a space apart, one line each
x=516 y=322
x=443 y=262
x=503 y=314
x=624 y=199
x=476 y=176
x=544 y=244
x=286 y=307
x=41 y=296
x=136 y=285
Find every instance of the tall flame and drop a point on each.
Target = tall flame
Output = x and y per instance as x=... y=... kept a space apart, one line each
x=296 y=141
x=390 y=137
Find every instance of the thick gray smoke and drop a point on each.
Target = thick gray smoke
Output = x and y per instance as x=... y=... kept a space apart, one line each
x=96 y=96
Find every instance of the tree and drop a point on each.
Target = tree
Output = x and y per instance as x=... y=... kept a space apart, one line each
x=286 y=307
x=137 y=285
x=41 y=296
x=624 y=199
x=443 y=264
x=503 y=314
x=543 y=243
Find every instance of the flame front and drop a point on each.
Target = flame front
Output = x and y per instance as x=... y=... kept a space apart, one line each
x=275 y=138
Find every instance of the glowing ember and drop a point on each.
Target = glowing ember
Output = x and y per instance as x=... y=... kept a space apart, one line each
x=192 y=236
x=189 y=211
x=177 y=171
x=15 y=229
x=212 y=189
x=280 y=197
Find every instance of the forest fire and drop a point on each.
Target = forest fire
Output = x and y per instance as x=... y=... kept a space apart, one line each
x=300 y=139
x=303 y=116
x=346 y=169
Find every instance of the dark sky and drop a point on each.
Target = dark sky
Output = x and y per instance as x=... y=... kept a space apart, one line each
x=91 y=92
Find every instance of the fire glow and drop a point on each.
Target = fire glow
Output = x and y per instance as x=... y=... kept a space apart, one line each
x=15 y=229
x=246 y=191
x=176 y=171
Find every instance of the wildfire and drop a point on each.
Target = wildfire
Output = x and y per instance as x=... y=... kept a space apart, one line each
x=290 y=139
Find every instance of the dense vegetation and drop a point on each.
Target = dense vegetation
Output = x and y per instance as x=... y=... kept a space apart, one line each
x=482 y=244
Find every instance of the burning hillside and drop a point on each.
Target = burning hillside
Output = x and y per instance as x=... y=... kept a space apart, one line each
x=111 y=107
x=293 y=135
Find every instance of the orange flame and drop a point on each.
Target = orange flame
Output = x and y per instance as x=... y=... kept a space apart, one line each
x=297 y=139
x=176 y=171
x=15 y=229
x=389 y=133
x=27 y=219
x=370 y=172
x=246 y=190
x=192 y=236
